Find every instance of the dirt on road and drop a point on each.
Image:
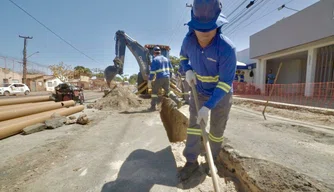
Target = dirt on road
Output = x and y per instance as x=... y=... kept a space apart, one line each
x=295 y=114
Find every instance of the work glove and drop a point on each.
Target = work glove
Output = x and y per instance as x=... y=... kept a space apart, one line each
x=203 y=114
x=190 y=77
x=149 y=84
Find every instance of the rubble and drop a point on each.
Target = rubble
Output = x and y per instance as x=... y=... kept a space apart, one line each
x=83 y=119
x=72 y=117
x=56 y=121
x=34 y=128
x=120 y=98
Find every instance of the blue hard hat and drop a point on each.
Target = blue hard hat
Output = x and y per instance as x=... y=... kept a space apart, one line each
x=206 y=15
x=156 y=49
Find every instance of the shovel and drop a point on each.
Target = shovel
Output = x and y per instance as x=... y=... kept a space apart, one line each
x=206 y=143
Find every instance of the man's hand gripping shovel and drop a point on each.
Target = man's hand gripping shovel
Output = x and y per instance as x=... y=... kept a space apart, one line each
x=214 y=175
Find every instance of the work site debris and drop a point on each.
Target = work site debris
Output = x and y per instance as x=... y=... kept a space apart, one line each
x=72 y=117
x=70 y=121
x=90 y=106
x=120 y=98
x=83 y=119
x=55 y=121
x=34 y=128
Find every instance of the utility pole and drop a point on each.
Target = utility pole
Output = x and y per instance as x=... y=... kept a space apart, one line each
x=24 y=80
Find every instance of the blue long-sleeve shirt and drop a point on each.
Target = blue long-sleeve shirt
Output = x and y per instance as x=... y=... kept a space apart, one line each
x=214 y=65
x=161 y=67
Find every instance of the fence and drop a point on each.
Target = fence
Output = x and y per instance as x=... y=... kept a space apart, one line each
x=12 y=68
x=319 y=94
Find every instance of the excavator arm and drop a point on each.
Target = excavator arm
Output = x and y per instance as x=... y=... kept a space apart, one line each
x=140 y=53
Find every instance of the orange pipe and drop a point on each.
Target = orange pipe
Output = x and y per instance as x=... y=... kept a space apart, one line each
x=22 y=105
x=29 y=110
x=20 y=100
x=20 y=123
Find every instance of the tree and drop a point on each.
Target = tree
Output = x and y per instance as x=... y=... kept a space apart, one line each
x=133 y=79
x=81 y=70
x=174 y=60
x=62 y=71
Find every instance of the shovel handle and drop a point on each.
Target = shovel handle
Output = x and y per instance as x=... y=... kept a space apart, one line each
x=206 y=142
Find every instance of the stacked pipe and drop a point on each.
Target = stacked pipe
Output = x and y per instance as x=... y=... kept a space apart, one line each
x=18 y=113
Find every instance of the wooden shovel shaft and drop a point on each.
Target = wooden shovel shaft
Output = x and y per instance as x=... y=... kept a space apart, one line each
x=206 y=143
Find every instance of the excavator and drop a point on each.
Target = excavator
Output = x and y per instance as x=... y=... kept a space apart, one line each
x=143 y=55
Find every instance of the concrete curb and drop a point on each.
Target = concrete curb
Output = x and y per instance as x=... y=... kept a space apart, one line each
x=237 y=100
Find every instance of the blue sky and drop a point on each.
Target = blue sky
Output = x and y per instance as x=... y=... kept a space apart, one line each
x=90 y=26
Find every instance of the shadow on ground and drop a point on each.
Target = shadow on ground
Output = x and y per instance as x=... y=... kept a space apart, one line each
x=143 y=169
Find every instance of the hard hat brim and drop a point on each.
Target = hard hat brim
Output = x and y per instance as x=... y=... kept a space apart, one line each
x=205 y=27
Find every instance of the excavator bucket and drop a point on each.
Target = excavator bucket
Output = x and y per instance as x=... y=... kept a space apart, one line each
x=109 y=74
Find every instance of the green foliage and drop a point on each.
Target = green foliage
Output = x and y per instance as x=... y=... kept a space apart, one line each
x=133 y=79
x=174 y=60
x=82 y=71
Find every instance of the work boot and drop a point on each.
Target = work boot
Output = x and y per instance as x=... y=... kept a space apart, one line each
x=187 y=171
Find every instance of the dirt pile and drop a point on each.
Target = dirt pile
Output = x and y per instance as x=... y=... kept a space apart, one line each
x=119 y=98
x=262 y=175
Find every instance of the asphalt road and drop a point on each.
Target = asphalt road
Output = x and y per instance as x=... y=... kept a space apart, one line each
x=131 y=152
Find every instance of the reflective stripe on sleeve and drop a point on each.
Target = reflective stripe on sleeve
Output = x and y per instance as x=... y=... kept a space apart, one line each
x=225 y=87
x=182 y=58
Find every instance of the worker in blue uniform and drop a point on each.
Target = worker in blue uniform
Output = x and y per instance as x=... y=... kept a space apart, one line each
x=270 y=81
x=242 y=77
x=209 y=59
x=161 y=72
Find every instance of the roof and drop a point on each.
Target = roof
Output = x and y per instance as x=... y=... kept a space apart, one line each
x=151 y=46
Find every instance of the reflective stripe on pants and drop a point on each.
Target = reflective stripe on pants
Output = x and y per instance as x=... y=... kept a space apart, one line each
x=218 y=119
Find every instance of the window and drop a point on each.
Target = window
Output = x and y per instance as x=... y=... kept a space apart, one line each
x=55 y=83
x=49 y=84
x=5 y=81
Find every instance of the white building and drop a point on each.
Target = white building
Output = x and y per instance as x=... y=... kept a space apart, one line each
x=303 y=42
x=50 y=84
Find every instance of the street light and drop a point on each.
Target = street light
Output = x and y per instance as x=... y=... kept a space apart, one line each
x=283 y=6
x=33 y=54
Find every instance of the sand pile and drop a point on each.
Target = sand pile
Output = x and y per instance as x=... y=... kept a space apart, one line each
x=120 y=98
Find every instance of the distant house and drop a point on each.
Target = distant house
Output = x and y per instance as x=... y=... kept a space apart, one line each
x=51 y=83
x=84 y=82
x=8 y=76
x=35 y=82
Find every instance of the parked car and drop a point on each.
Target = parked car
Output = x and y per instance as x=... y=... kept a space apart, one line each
x=14 y=89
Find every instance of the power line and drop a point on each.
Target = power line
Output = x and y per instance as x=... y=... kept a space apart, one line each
x=241 y=22
x=258 y=18
x=178 y=26
x=243 y=13
x=52 y=31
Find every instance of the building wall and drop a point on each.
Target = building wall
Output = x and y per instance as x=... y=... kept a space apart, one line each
x=36 y=84
x=243 y=56
x=11 y=76
x=311 y=24
x=52 y=83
